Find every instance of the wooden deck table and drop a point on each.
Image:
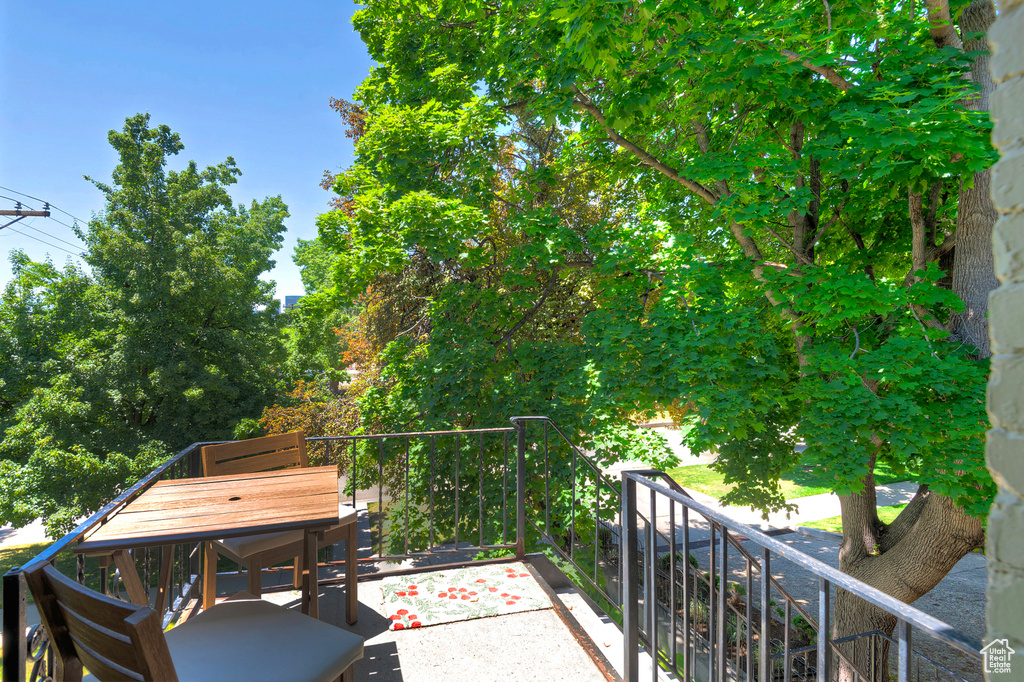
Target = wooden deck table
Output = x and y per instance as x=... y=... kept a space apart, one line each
x=214 y=507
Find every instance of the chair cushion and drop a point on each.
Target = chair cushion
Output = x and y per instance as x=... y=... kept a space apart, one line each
x=245 y=546
x=346 y=515
x=254 y=640
x=238 y=549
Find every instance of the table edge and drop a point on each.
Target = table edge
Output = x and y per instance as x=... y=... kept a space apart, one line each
x=104 y=546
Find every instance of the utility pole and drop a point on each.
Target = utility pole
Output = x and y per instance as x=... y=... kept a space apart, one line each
x=45 y=213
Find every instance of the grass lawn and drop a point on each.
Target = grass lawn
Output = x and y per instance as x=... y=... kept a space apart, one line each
x=885 y=514
x=802 y=481
x=835 y=523
x=19 y=555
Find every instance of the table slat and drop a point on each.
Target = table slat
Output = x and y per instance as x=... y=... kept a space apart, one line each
x=187 y=510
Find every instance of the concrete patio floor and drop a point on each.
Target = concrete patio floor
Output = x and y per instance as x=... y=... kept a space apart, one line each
x=534 y=645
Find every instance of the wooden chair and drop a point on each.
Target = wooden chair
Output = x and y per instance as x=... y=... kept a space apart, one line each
x=255 y=552
x=242 y=638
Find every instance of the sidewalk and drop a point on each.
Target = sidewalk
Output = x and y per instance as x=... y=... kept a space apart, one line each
x=29 y=535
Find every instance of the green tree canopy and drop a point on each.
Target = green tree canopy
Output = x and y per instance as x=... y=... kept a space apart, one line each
x=311 y=338
x=172 y=337
x=793 y=194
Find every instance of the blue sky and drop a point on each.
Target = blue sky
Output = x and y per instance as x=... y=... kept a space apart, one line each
x=244 y=79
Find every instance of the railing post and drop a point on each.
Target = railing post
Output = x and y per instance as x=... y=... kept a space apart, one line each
x=521 y=490
x=824 y=640
x=689 y=668
x=651 y=591
x=712 y=607
x=723 y=613
x=195 y=462
x=905 y=651
x=764 y=639
x=630 y=588
x=195 y=470
x=15 y=647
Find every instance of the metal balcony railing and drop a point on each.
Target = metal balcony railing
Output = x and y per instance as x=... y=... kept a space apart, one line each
x=721 y=637
x=434 y=496
x=671 y=589
x=25 y=646
x=431 y=488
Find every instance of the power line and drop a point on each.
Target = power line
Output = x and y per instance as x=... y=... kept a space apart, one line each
x=43 y=200
x=70 y=253
x=36 y=229
x=59 y=222
x=64 y=224
x=17 y=201
x=53 y=236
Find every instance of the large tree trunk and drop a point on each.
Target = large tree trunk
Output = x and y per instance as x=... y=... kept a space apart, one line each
x=905 y=559
x=973 y=272
x=909 y=557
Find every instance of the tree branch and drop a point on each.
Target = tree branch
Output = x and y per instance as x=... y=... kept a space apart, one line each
x=801 y=257
x=919 y=257
x=552 y=279
x=584 y=103
x=748 y=245
x=941 y=25
x=822 y=230
x=931 y=220
x=919 y=229
x=933 y=252
x=703 y=139
x=779 y=138
x=830 y=74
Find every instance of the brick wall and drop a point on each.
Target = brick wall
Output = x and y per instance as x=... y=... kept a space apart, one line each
x=1005 y=449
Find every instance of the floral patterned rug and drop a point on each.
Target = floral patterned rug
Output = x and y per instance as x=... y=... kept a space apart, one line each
x=461 y=594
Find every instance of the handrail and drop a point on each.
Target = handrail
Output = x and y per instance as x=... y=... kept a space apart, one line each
x=411 y=434
x=600 y=479
x=754 y=563
x=919 y=619
x=674 y=485
x=595 y=482
x=14 y=624
x=432 y=548
x=653 y=473
x=580 y=452
x=17 y=650
x=98 y=518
